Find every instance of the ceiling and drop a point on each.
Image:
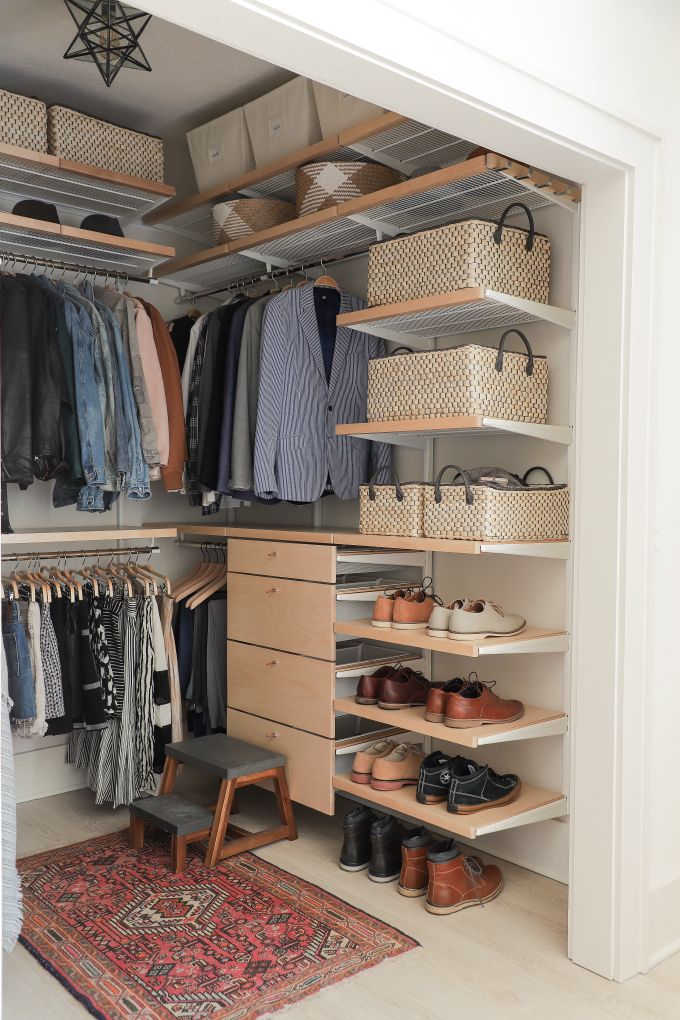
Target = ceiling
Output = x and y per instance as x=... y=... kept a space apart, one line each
x=193 y=79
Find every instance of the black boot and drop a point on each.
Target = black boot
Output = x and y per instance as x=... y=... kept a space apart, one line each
x=356 y=846
x=386 y=837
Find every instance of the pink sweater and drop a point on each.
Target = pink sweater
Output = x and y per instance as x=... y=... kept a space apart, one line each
x=153 y=378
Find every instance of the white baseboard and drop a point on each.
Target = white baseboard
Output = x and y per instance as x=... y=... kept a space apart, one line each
x=664 y=922
x=44 y=773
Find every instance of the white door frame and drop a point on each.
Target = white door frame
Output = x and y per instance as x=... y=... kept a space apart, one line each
x=390 y=58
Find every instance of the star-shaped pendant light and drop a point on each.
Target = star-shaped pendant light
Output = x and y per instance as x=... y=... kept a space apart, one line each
x=108 y=35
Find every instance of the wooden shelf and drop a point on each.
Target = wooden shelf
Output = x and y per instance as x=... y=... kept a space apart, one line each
x=531 y=640
x=420 y=321
x=28 y=174
x=416 y=433
x=536 y=722
x=321 y=536
x=81 y=536
x=484 y=185
x=532 y=805
x=21 y=235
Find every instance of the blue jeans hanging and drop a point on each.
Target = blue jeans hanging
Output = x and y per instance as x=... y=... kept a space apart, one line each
x=19 y=671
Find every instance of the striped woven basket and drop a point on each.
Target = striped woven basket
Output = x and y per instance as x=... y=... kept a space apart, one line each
x=391 y=509
x=465 y=380
x=243 y=216
x=320 y=185
x=84 y=139
x=23 y=122
x=472 y=253
x=492 y=505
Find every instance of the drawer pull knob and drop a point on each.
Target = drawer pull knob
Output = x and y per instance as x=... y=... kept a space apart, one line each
x=271 y=591
x=272 y=555
x=274 y=662
x=272 y=736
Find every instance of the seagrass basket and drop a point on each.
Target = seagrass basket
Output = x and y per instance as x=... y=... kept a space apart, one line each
x=320 y=185
x=395 y=509
x=243 y=216
x=23 y=122
x=492 y=505
x=84 y=139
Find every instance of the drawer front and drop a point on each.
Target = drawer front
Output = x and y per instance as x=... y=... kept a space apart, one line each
x=288 y=688
x=309 y=759
x=298 y=560
x=294 y=616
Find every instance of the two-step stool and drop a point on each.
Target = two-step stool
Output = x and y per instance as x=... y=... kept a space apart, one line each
x=237 y=764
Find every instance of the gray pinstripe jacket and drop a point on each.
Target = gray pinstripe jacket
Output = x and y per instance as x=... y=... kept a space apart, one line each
x=296 y=448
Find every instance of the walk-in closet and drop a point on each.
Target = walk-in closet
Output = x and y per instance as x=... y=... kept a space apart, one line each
x=299 y=525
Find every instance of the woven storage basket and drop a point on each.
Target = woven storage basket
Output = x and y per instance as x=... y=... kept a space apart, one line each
x=463 y=380
x=391 y=509
x=23 y=122
x=74 y=135
x=320 y=185
x=243 y=216
x=472 y=253
x=492 y=505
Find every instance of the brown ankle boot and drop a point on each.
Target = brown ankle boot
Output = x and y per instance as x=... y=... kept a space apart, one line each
x=456 y=882
x=413 y=877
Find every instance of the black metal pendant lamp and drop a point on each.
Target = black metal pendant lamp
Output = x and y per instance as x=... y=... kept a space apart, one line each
x=108 y=35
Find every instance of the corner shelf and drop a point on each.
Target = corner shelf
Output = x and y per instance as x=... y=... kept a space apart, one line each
x=531 y=640
x=421 y=320
x=28 y=174
x=22 y=235
x=416 y=432
x=532 y=805
x=536 y=722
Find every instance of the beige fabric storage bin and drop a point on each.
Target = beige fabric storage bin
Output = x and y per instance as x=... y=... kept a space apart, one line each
x=493 y=505
x=465 y=380
x=221 y=149
x=84 y=139
x=283 y=121
x=471 y=253
x=243 y=216
x=23 y=122
x=321 y=185
x=339 y=110
x=391 y=509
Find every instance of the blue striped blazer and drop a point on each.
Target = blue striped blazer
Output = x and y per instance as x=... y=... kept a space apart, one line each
x=296 y=448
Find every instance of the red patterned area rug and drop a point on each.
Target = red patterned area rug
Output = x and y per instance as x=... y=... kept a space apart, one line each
x=129 y=939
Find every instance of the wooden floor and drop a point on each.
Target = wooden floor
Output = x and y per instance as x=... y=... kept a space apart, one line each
x=503 y=961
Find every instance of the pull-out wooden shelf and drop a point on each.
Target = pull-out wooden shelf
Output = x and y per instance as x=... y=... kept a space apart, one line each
x=536 y=722
x=531 y=640
x=532 y=805
x=416 y=432
x=28 y=174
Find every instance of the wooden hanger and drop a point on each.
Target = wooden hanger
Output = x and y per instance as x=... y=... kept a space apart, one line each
x=213 y=584
x=194 y=580
x=21 y=577
x=9 y=582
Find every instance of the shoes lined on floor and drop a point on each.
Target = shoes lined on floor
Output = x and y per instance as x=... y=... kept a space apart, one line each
x=372 y=841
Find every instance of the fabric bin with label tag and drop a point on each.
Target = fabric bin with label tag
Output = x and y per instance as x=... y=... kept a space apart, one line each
x=221 y=149
x=23 y=122
x=283 y=121
x=339 y=111
x=84 y=139
x=471 y=253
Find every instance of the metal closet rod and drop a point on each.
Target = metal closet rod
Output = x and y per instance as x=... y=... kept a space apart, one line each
x=73 y=267
x=273 y=274
x=76 y=554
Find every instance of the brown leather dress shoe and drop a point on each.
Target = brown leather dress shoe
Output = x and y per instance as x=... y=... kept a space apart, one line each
x=436 y=699
x=476 y=704
x=368 y=688
x=456 y=882
x=406 y=689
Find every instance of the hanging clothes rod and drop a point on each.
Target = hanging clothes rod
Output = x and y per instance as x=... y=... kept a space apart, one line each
x=72 y=267
x=275 y=274
x=185 y=544
x=76 y=554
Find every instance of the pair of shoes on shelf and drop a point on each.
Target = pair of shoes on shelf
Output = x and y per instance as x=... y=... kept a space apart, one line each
x=393 y=687
x=405 y=608
x=464 y=785
x=388 y=765
x=466 y=703
x=475 y=619
x=421 y=863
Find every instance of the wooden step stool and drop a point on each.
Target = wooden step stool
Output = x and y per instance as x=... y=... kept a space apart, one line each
x=237 y=764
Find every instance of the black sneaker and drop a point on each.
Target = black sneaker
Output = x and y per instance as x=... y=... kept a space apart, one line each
x=356 y=846
x=386 y=836
x=435 y=778
x=474 y=787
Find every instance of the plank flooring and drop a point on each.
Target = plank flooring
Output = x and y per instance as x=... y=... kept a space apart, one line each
x=507 y=960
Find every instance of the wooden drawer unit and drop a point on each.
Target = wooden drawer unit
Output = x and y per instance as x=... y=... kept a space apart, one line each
x=299 y=560
x=290 y=688
x=294 y=616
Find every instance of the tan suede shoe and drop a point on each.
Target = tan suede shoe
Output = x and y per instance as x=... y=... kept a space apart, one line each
x=363 y=763
x=399 y=768
x=383 y=607
x=412 y=612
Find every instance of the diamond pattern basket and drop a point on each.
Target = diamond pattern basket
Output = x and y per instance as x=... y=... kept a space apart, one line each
x=472 y=253
x=492 y=505
x=243 y=216
x=465 y=380
x=23 y=122
x=76 y=136
x=391 y=509
x=320 y=185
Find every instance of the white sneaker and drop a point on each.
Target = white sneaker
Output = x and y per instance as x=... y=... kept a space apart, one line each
x=482 y=619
